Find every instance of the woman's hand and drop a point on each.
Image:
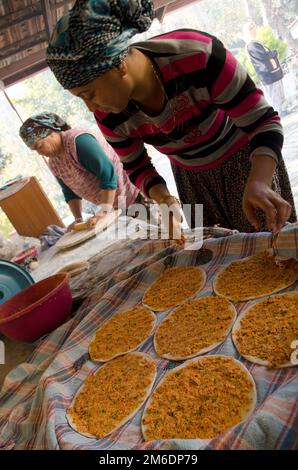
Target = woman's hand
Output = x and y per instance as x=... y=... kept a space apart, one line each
x=171 y=219
x=96 y=218
x=71 y=226
x=259 y=195
x=171 y=216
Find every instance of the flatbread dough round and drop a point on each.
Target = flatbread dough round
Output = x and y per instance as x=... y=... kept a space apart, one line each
x=254 y=277
x=199 y=400
x=112 y=396
x=123 y=333
x=73 y=238
x=173 y=287
x=195 y=327
x=264 y=332
x=74 y=268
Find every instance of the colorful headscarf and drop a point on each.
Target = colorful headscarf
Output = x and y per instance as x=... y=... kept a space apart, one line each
x=93 y=37
x=39 y=126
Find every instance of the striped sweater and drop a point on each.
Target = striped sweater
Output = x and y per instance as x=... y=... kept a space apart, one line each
x=213 y=109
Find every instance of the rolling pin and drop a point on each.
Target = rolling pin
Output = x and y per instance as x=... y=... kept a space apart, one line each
x=80 y=226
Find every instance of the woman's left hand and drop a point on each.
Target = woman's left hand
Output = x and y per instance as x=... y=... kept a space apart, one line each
x=258 y=195
x=93 y=220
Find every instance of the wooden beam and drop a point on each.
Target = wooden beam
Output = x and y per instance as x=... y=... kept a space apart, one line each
x=22 y=64
x=160 y=13
x=17 y=17
x=31 y=11
x=21 y=46
x=63 y=3
x=47 y=14
x=23 y=74
x=161 y=3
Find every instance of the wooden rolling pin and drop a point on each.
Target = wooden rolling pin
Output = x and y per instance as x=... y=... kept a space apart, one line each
x=80 y=226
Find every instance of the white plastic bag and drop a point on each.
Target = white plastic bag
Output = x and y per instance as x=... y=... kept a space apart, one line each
x=8 y=249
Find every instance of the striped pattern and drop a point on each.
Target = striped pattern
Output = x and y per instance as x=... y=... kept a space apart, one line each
x=213 y=110
x=284 y=249
x=36 y=394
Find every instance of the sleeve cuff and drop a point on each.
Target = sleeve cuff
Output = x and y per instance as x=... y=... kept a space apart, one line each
x=266 y=152
x=152 y=182
x=108 y=185
x=71 y=198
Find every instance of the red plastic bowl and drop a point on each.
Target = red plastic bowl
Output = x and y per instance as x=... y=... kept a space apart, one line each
x=37 y=310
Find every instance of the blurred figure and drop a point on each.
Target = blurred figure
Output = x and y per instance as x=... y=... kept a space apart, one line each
x=267 y=67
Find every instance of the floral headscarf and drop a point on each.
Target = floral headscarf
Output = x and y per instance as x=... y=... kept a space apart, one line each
x=93 y=37
x=39 y=126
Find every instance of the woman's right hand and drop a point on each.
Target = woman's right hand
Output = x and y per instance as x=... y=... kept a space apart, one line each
x=258 y=195
x=172 y=217
x=71 y=226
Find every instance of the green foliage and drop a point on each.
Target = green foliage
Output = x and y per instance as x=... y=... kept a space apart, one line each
x=222 y=19
x=289 y=10
x=38 y=93
x=5 y=159
x=5 y=225
x=44 y=93
x=266 y=36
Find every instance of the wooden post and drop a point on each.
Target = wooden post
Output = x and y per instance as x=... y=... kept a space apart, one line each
x=28 y=208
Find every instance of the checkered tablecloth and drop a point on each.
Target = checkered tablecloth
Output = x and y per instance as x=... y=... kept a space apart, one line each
x=287 y=242
x=36 y=395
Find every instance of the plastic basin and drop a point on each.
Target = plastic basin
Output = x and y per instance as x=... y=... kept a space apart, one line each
x=37 y=310
x=13 y=279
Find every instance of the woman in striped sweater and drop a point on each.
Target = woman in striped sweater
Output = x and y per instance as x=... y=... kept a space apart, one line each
x=186 y=95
